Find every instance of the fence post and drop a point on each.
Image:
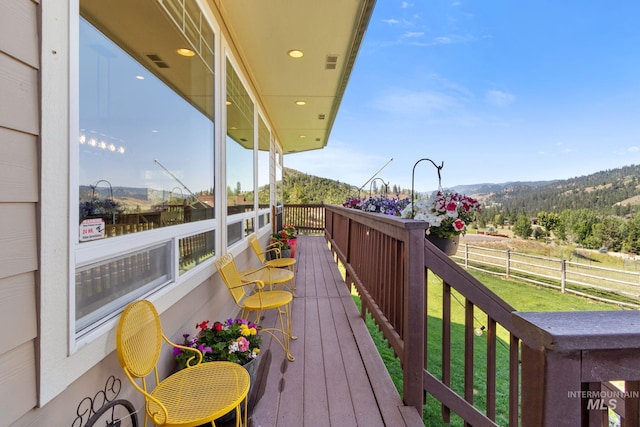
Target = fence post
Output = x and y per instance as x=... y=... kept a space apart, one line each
x=466 y=256
x=508 y=266
x=563 y=276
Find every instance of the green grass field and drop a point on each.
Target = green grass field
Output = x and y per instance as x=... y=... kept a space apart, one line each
x=521 y=296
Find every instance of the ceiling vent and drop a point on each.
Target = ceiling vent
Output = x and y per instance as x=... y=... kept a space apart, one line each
x=332 y=62
x=321 y=116
x=157 y=60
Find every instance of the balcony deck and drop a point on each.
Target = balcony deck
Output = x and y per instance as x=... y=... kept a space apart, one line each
x=336 y=380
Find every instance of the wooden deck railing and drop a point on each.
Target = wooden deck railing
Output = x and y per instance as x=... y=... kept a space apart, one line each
x=560 y=364
x=308 y=219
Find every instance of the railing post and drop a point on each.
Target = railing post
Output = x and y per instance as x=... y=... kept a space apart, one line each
x=508 y=266
x=566 y=355
x=414 y=320
x=563 y=276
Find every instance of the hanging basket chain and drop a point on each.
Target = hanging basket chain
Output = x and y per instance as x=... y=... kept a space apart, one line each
x=413 y=173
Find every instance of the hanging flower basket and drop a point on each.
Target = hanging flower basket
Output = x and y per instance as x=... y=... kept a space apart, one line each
x=448 y=245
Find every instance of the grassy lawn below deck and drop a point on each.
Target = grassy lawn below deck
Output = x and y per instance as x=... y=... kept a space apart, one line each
x=521 y=296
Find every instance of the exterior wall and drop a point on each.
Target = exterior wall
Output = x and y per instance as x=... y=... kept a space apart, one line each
x=42 y=382
x=19 y=193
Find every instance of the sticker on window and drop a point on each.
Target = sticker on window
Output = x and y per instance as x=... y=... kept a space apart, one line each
x=92 y=229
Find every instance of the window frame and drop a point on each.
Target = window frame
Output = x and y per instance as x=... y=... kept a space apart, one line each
x=230 y=220
x=82 y=254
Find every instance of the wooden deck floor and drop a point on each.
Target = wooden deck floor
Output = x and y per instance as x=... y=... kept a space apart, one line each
x=338 y=378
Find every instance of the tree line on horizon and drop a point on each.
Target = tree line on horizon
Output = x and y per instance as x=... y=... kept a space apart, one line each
x=593 y=211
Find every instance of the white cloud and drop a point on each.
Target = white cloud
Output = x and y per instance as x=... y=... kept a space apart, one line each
x=442 y=40
x=412 y=34
x=445 y=40
x=633 y=149
x=409 y=103
x=498 y=98
x=391 y=21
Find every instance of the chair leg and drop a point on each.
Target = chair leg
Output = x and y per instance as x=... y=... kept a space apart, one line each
x=285 y=327
x=283 y=334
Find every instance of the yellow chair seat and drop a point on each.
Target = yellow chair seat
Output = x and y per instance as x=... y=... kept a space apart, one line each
x=267 y=300
x=190 y=399
x=267 y=275
x=280 y=262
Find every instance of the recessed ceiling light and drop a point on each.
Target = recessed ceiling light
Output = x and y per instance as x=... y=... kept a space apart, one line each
x=295 y=53
x=301 y=102
x=185 y=52
x=303 y=136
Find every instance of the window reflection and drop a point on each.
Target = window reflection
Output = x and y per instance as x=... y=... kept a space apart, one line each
x=264 y=144
x=279 y=180
x=195 y=249
x=145 y=142
x=240 y=146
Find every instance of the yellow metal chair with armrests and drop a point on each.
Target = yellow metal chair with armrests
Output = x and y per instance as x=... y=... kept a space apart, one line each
x=193 y=396
x=277 y=262
x=252 y=298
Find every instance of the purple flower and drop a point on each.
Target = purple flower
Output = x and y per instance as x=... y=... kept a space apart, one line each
x=204 y=349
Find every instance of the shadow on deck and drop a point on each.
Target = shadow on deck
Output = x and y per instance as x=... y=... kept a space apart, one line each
x=338 y=377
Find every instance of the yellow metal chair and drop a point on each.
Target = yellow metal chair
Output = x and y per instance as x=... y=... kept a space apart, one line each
x=277 y=262
x=252 y=298
x=190 y=397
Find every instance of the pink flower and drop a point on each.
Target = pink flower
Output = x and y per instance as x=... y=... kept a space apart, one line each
x=243 y=344
x=458 y=224
x=452 y=209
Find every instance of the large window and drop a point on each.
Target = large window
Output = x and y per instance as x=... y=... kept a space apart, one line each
x=239 y=159
x=146 y=150
x=146 y=122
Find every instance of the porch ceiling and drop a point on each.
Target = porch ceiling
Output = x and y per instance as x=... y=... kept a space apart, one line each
x=329 y=32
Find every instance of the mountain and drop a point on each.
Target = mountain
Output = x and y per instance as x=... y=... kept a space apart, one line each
x=609 y=192
x=487 y=188
x=613 y=191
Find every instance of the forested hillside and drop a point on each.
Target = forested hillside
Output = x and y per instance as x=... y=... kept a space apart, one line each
x=607 y=192
x=302 y=188
x=593 y=211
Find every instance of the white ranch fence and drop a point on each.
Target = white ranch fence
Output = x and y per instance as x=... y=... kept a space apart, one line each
x=610 y=285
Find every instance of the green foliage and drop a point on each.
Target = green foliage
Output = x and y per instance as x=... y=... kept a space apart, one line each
x=235 y=340
x=300 y=188
x=549 y=220
x=522 y=227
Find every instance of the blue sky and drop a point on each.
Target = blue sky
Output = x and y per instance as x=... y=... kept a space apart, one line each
x=498 y=90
